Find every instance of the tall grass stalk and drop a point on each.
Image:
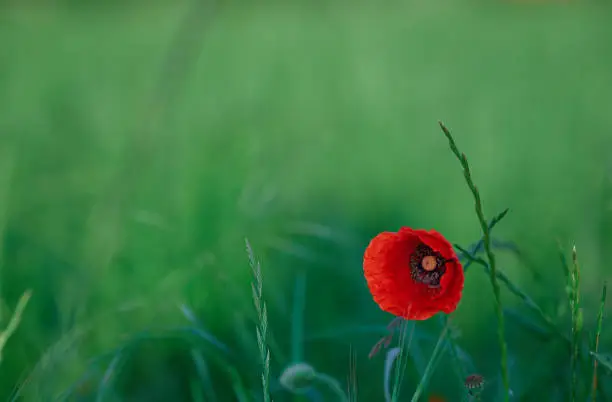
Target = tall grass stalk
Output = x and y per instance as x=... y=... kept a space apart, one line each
x=490 y=256
x=576 y=321
x=597 y=335
x=262 y=315
x=15 y=320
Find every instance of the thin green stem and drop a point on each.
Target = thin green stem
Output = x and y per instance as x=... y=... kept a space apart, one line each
x=490 y=256
x=431 y=364
x=15 y=320
x=262 y=327
x=597 y=335
x=576 y=321
x=478 y=246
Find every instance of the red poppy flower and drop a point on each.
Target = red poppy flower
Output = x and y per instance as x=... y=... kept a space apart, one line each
x=413 y=273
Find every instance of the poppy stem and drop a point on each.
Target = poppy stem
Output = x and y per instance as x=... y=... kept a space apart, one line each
x=490 y=256
x=438 y=349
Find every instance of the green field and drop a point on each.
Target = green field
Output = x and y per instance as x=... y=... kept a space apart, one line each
x=140 y=145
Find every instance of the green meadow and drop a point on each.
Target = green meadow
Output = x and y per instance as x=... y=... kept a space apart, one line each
x=140 y=145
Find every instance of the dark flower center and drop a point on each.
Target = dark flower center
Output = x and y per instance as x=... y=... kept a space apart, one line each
x=427 y=266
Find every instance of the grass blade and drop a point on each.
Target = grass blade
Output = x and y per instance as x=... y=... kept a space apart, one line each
x=15 y=320
x=515 y=290
x=107 y=380
x=576 y=321
x=528 y=324
x=563 y=259
x=605 y=359
x=205 y=382
x=490 y=256
x=597 y=335
x=201 y=332
x=477 y=247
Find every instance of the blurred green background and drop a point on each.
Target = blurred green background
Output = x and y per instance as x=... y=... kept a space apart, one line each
x=140 y=144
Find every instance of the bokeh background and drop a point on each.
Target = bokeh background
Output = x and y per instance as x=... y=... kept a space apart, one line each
x=141 y=142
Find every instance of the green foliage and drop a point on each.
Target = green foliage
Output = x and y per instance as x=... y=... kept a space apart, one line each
x=139 y=146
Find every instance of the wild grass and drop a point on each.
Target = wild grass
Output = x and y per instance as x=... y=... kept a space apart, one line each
x=301 y=377
x=490 y=256
x=262 y=315
x=577 y=320
x=259 y=120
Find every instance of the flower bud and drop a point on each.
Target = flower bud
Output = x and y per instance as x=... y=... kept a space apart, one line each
x=298 y=377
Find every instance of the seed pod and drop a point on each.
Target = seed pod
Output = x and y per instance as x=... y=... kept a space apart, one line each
x=474 y=382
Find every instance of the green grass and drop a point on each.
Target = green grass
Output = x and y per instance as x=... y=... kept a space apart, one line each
x=139 y=148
